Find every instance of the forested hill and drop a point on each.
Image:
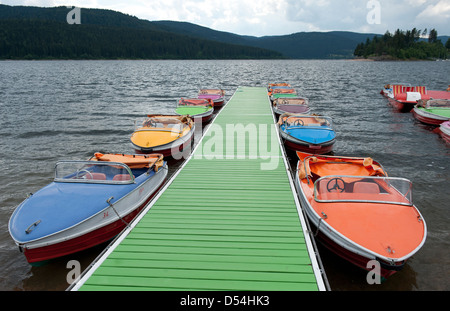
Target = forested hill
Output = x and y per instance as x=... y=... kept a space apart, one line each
x=405 y=45
x=43 y=33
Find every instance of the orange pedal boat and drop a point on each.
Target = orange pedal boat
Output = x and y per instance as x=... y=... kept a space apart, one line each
x=358 y=212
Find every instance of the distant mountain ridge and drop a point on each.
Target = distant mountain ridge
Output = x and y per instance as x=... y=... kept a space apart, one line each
x=187 y=40
x=301 y=45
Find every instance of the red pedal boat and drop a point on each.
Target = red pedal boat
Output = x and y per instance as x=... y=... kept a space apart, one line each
x=359 y=212
x=216 y=95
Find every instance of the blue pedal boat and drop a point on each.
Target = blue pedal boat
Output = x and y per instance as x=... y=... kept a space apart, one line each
x=307 y=133
x=88 y=203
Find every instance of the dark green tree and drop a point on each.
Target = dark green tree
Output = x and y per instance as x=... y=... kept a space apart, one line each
x=403 y=45
x=432 y=37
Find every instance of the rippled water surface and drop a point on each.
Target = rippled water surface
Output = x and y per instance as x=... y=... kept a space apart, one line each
x=53 y=110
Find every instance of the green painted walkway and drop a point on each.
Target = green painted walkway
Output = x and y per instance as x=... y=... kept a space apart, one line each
x=228 y=219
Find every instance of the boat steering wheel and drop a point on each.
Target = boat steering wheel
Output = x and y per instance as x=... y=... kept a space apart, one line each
x=338 y=185
x=85 y=172
x=149 y=123
x=299 y=122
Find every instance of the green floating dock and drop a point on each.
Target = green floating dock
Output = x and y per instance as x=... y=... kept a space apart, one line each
x=227 y=220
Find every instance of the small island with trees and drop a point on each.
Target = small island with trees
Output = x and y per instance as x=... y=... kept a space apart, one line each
x=412 y=44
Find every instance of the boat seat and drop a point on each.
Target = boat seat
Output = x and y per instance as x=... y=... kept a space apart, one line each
x=366 y=187
x=122 y=177
x=421 y=89
x=96 y=176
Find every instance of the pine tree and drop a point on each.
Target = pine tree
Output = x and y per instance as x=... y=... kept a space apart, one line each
x=432 y=38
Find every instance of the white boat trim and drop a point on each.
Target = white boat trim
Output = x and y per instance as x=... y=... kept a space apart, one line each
x=445 y=129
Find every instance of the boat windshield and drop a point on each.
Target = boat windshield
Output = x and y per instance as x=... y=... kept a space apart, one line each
x=174 y=125
x=370 y=189
x=290 y=101
x=93 y=172
x=283 y=91
x=194 y=102
x=211 y=91
x=438 y=103
x=310 y=121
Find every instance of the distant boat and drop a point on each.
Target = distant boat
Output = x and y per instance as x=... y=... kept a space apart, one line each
x=388 y=90
x=358 y=212
x=404 y=98
x=432 y=112
x=166 y=134
x=307 y=133
x=196 y=108
x=88 y=203
x=272 y=85
x=291 y=105
x=216 y=95
x=277 y=86
x=282 y=92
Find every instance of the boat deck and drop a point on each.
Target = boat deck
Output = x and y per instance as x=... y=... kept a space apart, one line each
x=227 y=220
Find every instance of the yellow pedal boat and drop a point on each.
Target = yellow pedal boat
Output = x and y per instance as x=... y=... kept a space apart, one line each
x=166 y=134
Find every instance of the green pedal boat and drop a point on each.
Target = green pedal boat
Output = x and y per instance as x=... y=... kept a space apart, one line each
x=196 y=108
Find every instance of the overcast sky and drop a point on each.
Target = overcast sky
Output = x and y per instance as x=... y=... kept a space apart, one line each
x=280 y=17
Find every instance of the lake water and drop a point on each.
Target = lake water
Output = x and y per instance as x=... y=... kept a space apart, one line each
x=53 y=110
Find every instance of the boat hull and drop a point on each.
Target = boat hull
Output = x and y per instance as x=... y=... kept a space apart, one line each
x=97 y=229
x=218 y=103
x=427 y=117
x=205 y=118
x=445 y=131
x=401 y=106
